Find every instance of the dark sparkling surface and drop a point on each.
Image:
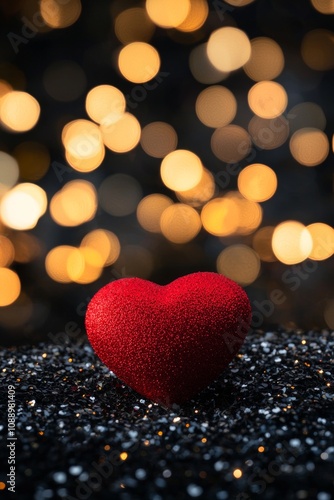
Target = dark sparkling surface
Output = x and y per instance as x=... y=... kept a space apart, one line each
x=82 y=434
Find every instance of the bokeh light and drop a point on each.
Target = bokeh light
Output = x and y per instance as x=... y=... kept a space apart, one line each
x=257 y=182
x=105 y=243
x=64 y=81
x=105 y=104
x=269 y=133
x=306 y=114
x=239 y=263
x=10 y=286
x=267 y=99
x=291 y=242
x=216 y=106
x=22 y=206
x=139 y=62
x=168 y=13
x=150 y=209
x=196 y=17
x=249 y=213
x=317 y=49
x=180 y=223
x=220 y=217
x=7 y=251
x=228 y=48
x=9 y=171
x=201 y=67
x=19 y=111
x=262 y=243
x=158 y=139
x=134 y=25
x=239 y=3
x=266 y=61
x=58 y=14
x=74 y=204
x=86 y=164
x=123 y=135
x=119 y=194
x=181 y=170
x=323 y=6
x=309 y=146
x=323 y=241
x=56 y=262
x=82 y=139
x=33 y=159
x=231 y=143
x=201 y=193
x=85 y=265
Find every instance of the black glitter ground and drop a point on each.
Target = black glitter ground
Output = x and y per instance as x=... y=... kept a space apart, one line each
x=82 y=434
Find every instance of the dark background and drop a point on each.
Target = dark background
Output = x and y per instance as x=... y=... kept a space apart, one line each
x=304 y=194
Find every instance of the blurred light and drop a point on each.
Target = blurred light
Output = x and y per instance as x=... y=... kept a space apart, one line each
x=82 y=139
x=134 y=25
x=329 y=314
x=241 y=264
x=202 y=69
x=180 y=223
x=64 y=81
x=237 y=473
x=323 y=6
x=150 y=209
x=136 y=261
x=74 y=204
x=123 y=135
x=10 y=286
x=9 y=171
x=105 y=243
x=323 y=241
x=309 y=146
x=266 y=61
x=196 y=17
x=228 y=48
x=56 y=263
x=269 y=133
x=220 y=217
x=239 y=3
x=317 y=49
x=216 y=106
x=181 y=170
x=267 y=99
x=22 y=206
x=33 y=159
x=19 y=111
x=158 y=139
x=249 y=213
x=86 y=164
x=60 y=14
x=105 y=104
x=262 y=243
x=139 y=62
x=201 y=193
x=5 y=88
x=27 y=247
x=30 y=10
x=306 y=114
x=119 y=194
x=257 y=182
x=292 y=242
x=231 y=143
x=7 y=251
x=168 y=13
x=84 y=266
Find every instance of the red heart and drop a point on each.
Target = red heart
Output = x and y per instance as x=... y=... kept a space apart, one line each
x=168 y=342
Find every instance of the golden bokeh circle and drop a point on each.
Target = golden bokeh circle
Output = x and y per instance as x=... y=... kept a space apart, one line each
x=105 y=243
x=267 y=99
x=269 y=133
x=10 y=287
x=168 y=13
x=228 y=48
x=123 y=135
x=105 y=104
x=266 y=61
x=58 y=14
x=158 y=139
x=150 y=209
x=216 y=106
x=323 y=240
x=134 y=25
x=262 y=243
x=257 y=182
x=180 y=223
x=231 y=143
x=291 y=242
x=323 y=6
x=181 y=170
x=239 y=263
x=309 y=146
x=19 y=111
x=139 y=62
x=317 y=49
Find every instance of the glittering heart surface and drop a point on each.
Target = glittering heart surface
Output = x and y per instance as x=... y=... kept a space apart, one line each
x=168 y=342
